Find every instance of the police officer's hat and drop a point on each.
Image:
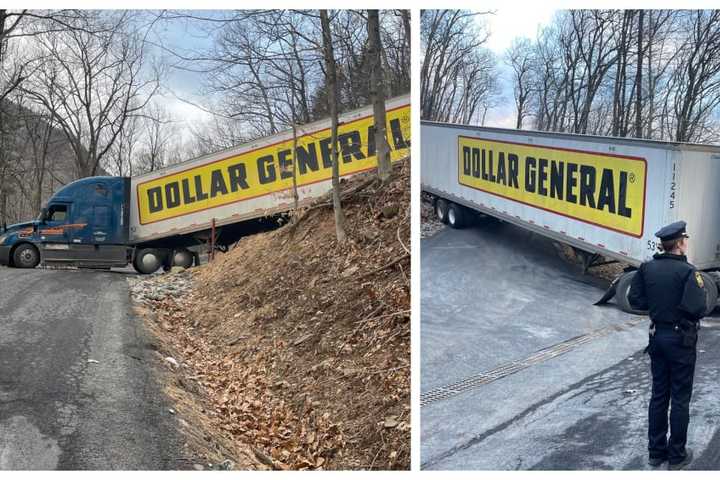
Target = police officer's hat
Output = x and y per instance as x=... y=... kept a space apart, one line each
x=673 y=231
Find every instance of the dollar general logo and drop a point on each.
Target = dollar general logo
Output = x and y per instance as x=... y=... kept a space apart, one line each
x=269 y=169
x=600 y=189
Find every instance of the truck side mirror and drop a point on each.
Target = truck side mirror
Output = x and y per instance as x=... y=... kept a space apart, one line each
x=43 y=214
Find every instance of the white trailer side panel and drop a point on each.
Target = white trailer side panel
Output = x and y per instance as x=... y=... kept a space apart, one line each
x=172 y=201
x=681 y=183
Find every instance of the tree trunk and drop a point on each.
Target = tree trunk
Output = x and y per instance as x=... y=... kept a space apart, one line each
x=377 y=96
x=331 y=72
x=638 y=80
x=296 y=198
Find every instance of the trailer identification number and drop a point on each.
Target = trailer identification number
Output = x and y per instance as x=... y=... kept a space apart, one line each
x=269 y=169
x=601 y=189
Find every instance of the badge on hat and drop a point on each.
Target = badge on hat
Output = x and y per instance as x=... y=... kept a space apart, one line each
x=673 y=231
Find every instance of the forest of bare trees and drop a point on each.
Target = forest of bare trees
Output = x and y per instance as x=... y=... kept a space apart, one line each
x=458 y=77
x=83 y=92
x=641 y=73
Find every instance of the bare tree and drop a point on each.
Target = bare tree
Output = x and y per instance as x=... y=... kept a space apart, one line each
x=331 y=74
x=457 y=77
x=696 y=79
x=638 y=76
x=159 y=131
x=377 y=95
x=41 y=135
x=95 y=77
x=520 y=56
x=124 y=150
x=652 y=74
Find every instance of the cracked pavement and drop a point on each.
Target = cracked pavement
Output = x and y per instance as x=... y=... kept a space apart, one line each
x=494 y=295
x=57 y=409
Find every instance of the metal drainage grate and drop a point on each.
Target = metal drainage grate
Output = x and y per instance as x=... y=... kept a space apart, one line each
x=447 y=391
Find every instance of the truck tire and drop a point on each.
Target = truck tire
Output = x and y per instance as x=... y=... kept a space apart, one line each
x=183 y=258
x=147 y=260
x=621 y=294
x=26 y=256
x=441 y=209
x=711 y=292
x=455 y=216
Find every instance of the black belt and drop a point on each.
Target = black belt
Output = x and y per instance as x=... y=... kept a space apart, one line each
x=667 y=326
x=674 y=326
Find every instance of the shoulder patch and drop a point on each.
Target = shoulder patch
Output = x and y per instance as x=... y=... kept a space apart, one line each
x=699 y=280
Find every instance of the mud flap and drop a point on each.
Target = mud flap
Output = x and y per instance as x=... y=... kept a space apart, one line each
x=609 y=294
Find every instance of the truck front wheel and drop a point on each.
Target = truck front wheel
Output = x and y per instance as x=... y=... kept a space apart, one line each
x=147 y=260
x=26 y=256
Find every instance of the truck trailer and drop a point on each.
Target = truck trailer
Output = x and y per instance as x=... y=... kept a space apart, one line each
x=603 y=196
x=154 y=220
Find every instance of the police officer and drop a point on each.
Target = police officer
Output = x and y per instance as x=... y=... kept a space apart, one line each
x=673 y=292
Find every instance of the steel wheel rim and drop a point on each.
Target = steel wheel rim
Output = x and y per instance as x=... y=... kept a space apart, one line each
x=149 y=261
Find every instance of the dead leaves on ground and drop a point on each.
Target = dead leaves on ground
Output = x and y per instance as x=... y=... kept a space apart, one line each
x=299 y=359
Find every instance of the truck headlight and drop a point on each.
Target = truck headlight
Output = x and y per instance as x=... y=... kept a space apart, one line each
x=2 y=238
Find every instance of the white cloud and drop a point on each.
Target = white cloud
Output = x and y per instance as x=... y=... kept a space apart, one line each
x=507 y=24
x=504 y=26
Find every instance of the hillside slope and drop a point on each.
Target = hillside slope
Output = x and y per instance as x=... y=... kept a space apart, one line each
x=301 y=347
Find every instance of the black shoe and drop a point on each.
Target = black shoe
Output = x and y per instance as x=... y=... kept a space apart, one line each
x=686 y=461
x=656 y=461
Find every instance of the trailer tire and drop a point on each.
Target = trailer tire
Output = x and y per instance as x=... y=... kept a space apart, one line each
x=621 y=294
x=147 y=260
x=183 y=257
x=26 y=255
x=711 y=292
x=441 y=209
x=455 y=216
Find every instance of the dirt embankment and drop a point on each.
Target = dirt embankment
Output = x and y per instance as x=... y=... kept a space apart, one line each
x=429 y=224
x=293 y=351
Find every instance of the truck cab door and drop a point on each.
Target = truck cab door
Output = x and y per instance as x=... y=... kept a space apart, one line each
x=53 y=232
x=93 y=231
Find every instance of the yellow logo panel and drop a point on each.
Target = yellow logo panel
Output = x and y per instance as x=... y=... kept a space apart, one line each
x=270 y=169
x=597 y=188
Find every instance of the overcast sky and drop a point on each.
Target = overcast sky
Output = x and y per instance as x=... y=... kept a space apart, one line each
x=182 y=87
x=505 y=25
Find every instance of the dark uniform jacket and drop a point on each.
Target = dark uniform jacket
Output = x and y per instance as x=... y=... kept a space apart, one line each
x=669 y=288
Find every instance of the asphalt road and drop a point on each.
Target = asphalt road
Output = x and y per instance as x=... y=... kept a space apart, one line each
x=77 y=390
x=521 y=371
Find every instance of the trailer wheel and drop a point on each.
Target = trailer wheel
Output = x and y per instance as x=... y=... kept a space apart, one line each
x=455 y=216
x=711 y=292
x=26 y=256
x=622 y=292
x=441 y=209
x=147 y=260
x=183 y=258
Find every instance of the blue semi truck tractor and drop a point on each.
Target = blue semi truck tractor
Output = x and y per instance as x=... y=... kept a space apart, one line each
x=159 y=219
